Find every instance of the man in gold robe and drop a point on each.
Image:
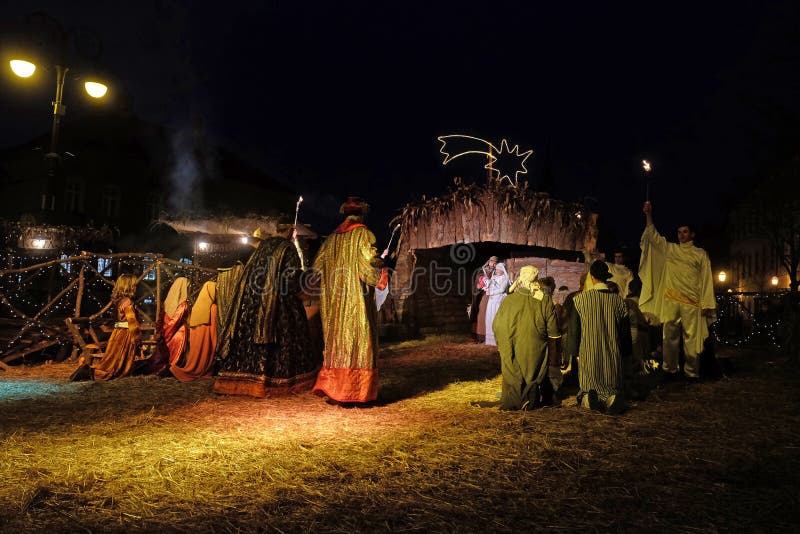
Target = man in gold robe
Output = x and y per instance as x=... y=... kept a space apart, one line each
x=349 y=271
x=677 y=288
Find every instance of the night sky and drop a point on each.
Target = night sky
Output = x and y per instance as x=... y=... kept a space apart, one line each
x=343 y=98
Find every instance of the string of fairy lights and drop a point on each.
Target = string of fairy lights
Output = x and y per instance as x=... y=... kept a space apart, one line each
x=28 y=294
x=40 y=291
x=763 y=327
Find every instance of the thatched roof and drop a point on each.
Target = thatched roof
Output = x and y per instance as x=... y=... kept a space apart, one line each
x=498 y=211
x=231 y=225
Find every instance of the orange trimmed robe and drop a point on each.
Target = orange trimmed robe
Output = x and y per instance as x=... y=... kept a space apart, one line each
x=202 y=350
x=174 y=332
x=122 y=346
x=347 y=308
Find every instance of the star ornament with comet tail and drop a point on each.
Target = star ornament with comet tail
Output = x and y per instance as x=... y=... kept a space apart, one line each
x=504 y=162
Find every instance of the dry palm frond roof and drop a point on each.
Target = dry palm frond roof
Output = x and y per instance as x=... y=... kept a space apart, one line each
x=230 y=225
x=513 y=198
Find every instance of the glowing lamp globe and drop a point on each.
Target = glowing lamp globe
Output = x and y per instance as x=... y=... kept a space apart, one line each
x=202 y=245
x=774 y=280
x=722 y=276
x=22 y=68
x=95 y=89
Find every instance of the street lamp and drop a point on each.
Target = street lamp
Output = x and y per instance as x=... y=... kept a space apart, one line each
x=22 y=68
x=722 y=276
x=95 y=89
x=774 y=280
x=25 y=69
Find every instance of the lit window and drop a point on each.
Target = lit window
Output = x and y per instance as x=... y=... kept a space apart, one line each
x=66 y=265
x=151 y=273
x=104 y=266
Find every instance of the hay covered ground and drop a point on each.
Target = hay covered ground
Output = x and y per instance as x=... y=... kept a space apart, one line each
x=148 y=454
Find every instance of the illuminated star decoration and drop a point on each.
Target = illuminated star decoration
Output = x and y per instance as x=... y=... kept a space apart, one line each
x=502 y=163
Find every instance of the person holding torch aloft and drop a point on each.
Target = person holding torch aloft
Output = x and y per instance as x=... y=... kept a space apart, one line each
x=678 y=288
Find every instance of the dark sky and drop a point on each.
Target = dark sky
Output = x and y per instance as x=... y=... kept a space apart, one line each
x=338 y=98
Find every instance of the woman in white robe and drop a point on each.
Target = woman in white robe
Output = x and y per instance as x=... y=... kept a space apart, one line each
x=496 y=289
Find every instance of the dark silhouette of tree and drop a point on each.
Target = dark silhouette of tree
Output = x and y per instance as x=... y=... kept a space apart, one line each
x=776 y=203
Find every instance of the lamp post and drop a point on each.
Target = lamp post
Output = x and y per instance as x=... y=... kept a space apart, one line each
x=25 y=69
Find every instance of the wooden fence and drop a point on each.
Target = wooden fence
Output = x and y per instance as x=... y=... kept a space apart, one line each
x=36 y=299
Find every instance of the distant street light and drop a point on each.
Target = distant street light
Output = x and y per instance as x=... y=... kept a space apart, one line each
x=722 y=276
x=775 y=280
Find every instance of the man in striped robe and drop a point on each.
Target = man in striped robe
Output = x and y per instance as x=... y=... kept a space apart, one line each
x=599 y=333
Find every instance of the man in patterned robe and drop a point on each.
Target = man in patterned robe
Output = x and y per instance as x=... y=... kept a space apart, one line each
x=349 y=271
x=265 y=347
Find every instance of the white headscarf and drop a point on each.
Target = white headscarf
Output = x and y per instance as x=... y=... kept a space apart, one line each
x=498 y=283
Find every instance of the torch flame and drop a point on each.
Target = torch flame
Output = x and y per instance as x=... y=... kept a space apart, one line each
x=646 y=165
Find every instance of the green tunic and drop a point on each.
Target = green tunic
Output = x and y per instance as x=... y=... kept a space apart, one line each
x=522 y=327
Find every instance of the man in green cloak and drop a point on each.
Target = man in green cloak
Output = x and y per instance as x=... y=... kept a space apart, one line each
x=525 y=327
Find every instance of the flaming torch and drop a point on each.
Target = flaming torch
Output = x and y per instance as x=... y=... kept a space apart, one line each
x=647 y=169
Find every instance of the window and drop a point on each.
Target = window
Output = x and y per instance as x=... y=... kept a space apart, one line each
x=154 y=206
x=110 y=201
x=66 y=265
x=48 y=202
x=73 y=197
x=151 y=273
x=187 y=261
x=104 y=266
